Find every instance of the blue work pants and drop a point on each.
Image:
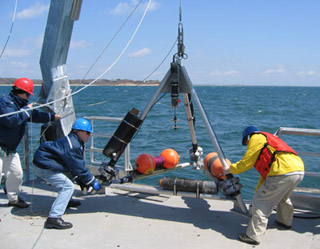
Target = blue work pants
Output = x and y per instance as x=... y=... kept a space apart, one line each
x=65 y=190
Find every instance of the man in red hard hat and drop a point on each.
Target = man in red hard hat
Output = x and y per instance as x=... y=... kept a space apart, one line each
x=15 y=112
x=24 y=84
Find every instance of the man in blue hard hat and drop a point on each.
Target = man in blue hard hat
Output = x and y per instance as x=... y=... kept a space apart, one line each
x=281 y=170
x=55 y=159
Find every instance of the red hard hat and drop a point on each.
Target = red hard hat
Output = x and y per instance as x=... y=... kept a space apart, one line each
x=24 y=84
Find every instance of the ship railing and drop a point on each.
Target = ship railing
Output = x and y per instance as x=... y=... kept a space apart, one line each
x=302 y=132
x=304 y=198
x=93 y=150
x=301 y=194
x=127 y=165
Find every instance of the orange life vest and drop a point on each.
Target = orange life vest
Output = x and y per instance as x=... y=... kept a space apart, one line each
x=266 y=158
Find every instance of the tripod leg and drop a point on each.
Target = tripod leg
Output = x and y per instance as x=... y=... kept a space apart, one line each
x=124 y=133
x=187 y=104
x=161 y=88
x=211 y=133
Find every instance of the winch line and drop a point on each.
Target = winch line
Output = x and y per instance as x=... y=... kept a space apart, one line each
x=100 y=56
x=122 y=52
x=10 y=32
x=111 y=40
x=99 y=77
x=108 y=44
x=163 y=60
x=148 y=75
x=175 y=42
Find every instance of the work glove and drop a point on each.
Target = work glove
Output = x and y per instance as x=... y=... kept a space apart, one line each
x=231 y=185
x=96 y=185
x=194 y=156
x=83 y=187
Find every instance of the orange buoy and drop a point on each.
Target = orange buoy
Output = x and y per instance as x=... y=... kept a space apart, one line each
x=214 y=165
x=171 y=158
x=145 y=164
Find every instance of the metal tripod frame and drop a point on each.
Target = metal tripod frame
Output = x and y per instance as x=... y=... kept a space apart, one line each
x=185 y=87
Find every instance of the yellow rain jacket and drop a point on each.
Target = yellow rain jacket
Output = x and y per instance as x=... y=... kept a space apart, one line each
x=284 y=163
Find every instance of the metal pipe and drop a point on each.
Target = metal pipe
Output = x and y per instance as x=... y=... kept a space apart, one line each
x=26 y=153
x=205 y=120
x=190 y=118
x=155 y=96
x=212 y=135
x=297 y=131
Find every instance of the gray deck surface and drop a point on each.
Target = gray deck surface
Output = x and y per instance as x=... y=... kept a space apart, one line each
x=120 y=219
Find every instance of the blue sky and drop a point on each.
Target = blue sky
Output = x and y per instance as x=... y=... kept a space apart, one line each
x=228 y=42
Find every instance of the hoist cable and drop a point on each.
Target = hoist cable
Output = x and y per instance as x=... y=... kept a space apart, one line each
x=92 y=82
x=111 y=40
x=175 y=42
x=13 y=19
x=108 y=44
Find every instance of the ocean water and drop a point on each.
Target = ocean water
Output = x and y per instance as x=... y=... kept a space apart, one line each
x=229 y=108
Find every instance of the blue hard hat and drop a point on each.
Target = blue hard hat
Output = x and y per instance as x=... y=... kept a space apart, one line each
x=248 y=131
x=82 y=124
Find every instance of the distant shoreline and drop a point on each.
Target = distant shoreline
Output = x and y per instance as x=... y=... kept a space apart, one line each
x=127 y=82
x=101 y=82
x=93 y=85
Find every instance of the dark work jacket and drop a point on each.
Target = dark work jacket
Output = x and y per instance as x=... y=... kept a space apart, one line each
x=64 y=155
x=12 y=127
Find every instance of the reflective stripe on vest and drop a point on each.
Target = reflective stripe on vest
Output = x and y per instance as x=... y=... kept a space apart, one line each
x=266 y=158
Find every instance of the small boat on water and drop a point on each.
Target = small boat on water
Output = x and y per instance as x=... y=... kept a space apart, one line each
x=124 y=214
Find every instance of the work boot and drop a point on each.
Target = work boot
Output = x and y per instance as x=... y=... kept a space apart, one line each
x=18 y=203
x=244 y=238
x=57 y=223
x=73 y=203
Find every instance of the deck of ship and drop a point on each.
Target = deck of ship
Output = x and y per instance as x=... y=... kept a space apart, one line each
x=120 y=219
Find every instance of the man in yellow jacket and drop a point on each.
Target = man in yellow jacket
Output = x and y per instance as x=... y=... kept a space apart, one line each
x=281 y=170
